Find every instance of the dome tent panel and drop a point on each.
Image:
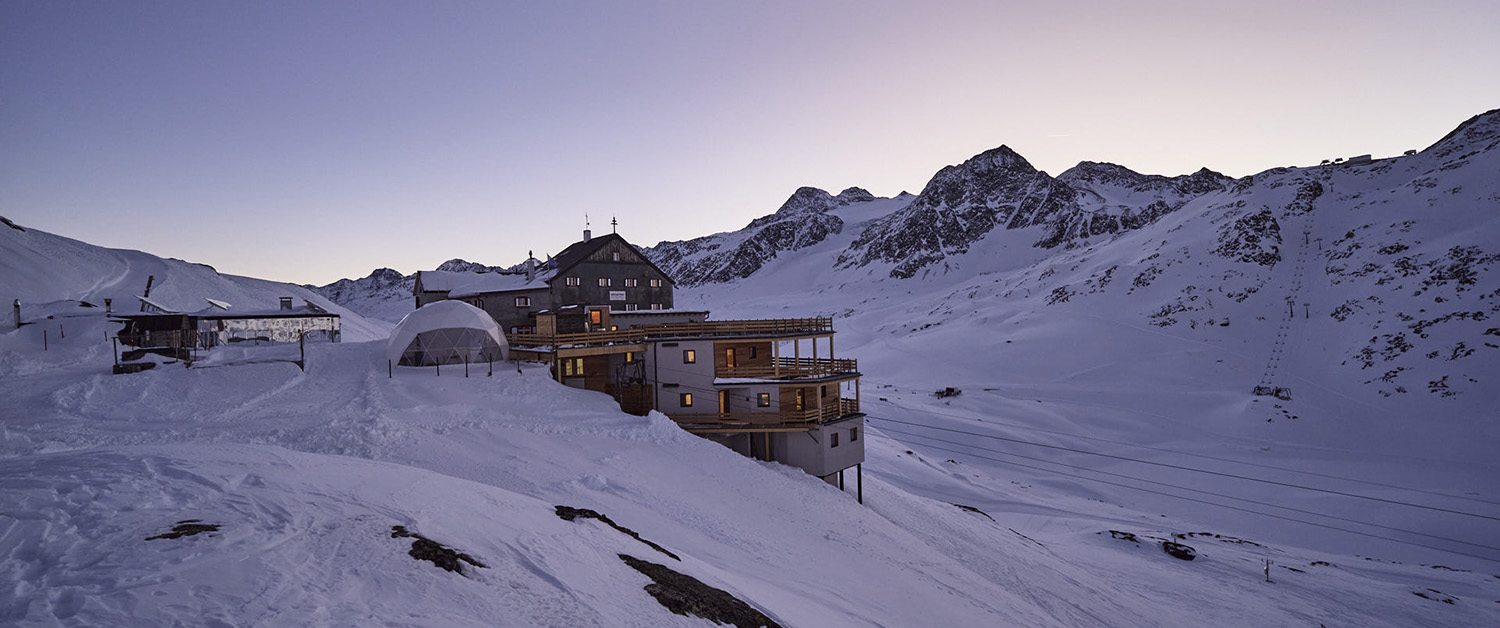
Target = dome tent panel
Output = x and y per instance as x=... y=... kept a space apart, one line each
x=446 y=332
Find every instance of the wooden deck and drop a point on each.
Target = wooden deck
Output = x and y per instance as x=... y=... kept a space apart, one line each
x=791 y=368
x=789 y=421
x=768 y=328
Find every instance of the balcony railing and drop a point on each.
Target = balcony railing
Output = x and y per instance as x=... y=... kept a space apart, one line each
x=767 y=421
x=774 y=327
x=790 y=368
x=769 y=327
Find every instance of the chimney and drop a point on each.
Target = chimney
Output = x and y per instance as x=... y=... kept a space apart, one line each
x=587 y=235
x=530 y=267
x=17 y=306
x=286 y=303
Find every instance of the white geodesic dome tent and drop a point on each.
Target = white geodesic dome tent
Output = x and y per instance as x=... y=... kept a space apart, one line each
x=446 y=332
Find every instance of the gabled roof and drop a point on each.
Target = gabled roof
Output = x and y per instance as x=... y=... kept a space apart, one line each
x=581 y=250
x=461 y=284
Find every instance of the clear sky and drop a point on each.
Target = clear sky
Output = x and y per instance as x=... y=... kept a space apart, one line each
x=311 y=140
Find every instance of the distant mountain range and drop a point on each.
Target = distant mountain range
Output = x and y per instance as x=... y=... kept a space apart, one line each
x=1397 y=251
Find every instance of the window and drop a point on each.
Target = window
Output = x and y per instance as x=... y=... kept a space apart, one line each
x=527 y=329
x=523 y=301
x=853 y=434
x=573 y=281
x=479 y=303
x=617 y=256
x=801 y=400
x=604 y=282
x=655 y=306
x=631 y=283
x=685 y=400
x=752 y=353
x=631 y=307
x=833 y=440
x=763 y=400
x=630 y=357
x=655 y=283
x=689 y=356
x=596 y=317
x=823 y=390
x=729 y=357
x=572 y=367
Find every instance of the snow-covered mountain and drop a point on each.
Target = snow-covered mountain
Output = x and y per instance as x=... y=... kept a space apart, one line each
x=1106 y=409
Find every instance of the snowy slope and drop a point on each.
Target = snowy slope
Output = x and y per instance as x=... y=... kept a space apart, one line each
x=1155 y=337
x=306 y=473
x=40 y=268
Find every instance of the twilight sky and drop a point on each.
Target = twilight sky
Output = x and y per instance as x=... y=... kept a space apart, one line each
x=311 y=140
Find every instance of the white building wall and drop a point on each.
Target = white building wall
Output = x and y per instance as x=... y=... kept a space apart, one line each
x=674 y=376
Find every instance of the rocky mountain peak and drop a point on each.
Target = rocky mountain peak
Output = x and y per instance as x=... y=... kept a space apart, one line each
x=1482 y=130
x=463 y=266
x=854 y=195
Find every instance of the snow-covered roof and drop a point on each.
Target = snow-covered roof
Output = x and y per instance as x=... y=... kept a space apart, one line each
x=463 y=284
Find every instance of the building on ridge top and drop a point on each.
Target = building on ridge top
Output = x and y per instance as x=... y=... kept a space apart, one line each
x=601 y=315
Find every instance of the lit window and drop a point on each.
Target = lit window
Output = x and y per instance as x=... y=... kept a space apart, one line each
x=523 y=301
x=572 y=367
x=630 y=283
x=763 y=400
x=686 y=400
x=604 y=282
x=833 y=439
x=689 y=356
x=574 y=281
x=853 y=434
x=595 y=317
x=801 y=400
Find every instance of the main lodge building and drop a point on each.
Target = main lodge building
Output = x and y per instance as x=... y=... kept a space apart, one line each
x=602 y=316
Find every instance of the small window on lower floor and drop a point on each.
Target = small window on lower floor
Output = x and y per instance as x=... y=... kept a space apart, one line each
x=853 y=434
x=763 y=400
x=833 y=440
x=685 y=400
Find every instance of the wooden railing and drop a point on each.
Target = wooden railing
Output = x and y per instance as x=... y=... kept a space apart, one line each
x=750 y=421
x=790 y=368
x=772 y=326
x=785 y=326
x=623 y=336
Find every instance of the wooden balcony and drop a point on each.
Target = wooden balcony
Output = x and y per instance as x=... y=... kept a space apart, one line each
x=790 y=368
x=766 y=327
x=782 y=327
x=787 y=421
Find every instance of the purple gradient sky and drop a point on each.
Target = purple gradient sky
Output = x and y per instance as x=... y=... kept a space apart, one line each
x=308 y=141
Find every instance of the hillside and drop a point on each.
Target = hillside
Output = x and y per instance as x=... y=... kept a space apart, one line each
x=50 y=274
